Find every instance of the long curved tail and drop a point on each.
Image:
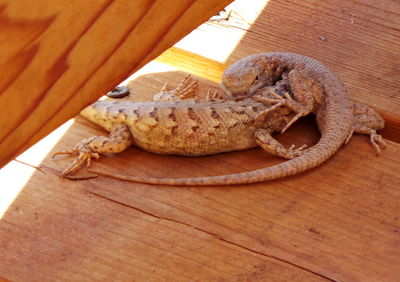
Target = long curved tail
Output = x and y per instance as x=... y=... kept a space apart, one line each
x=335 y=113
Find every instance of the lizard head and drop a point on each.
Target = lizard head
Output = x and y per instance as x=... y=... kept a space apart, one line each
x=245 y=77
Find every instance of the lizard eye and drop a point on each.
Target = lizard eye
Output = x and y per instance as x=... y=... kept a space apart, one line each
x=256 y=78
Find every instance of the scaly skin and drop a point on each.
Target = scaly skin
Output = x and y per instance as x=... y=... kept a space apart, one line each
x=170 y=125
x=337 y=116
x=248 y=118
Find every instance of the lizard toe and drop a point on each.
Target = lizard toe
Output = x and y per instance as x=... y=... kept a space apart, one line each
x=377 y=141
x=79 y=162
x=70 y=152
x=293 y=152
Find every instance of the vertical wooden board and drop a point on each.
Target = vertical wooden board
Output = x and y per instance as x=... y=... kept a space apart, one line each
x=73 y=57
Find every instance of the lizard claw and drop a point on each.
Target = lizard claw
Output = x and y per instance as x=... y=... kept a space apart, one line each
x=185 y=87
x=214 y=96
x=276 y=99
x=293 y=153
x=84 y=157
x=71 y=152
x=287 y=101
x=349 y=137
x=377 y=141
x=276 y=102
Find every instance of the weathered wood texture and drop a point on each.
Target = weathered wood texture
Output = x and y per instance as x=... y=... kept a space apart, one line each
x=337 y=222
x=58 y=56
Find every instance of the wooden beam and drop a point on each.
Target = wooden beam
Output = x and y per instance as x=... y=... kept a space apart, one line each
x=57 y=57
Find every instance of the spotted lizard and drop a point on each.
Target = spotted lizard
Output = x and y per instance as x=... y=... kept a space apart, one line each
x=266 y=93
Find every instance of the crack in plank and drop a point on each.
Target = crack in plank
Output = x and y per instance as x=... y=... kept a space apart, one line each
x=215 y=235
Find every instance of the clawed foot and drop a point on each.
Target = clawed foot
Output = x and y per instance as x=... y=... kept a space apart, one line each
x=292 y=152
x=276 y=101
x=280 y=101
x=268 y=143
x=377 y=141
x=84 y=157
x=186 y=87
x=214 y=96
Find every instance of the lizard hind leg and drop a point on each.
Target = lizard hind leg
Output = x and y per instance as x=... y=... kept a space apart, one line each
x=367 y=121
x=271 y=145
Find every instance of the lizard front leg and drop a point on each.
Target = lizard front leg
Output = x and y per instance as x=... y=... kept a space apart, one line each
x=119 y=139
x=305 y=91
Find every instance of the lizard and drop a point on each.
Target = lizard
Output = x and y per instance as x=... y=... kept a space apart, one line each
x=252 y=107
x=170 y=124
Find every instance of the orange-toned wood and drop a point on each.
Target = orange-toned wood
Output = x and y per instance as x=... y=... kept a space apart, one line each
x=337 y=222
x=356 y=39
x=57 y=57
x=69 y=233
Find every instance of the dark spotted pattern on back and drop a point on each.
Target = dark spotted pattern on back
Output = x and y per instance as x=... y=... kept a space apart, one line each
x=214 y=114
x=193 y=116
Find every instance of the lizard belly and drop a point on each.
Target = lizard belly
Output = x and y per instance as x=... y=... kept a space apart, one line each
x=188 y=143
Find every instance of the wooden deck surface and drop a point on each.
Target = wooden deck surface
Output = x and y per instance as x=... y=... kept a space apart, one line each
x=337 y=222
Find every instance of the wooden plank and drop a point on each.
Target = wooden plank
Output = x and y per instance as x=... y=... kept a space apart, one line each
x=57 y=59
x=357 y=39
x=70 y=233
x=344 y=227
x=336 y=222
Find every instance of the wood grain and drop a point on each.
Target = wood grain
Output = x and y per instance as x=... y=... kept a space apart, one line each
x=337 y=222
x=358 y=40
x=59 y=57
x=306 y=227
x=71 y=233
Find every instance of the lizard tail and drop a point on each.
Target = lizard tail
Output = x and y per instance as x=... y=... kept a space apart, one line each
x=310 y=159
x=335 y=119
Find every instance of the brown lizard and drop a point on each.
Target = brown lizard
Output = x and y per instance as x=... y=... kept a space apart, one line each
x=254 y=110
x=170 y=125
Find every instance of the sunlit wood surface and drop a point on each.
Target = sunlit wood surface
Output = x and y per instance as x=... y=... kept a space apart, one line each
x=337 y=222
